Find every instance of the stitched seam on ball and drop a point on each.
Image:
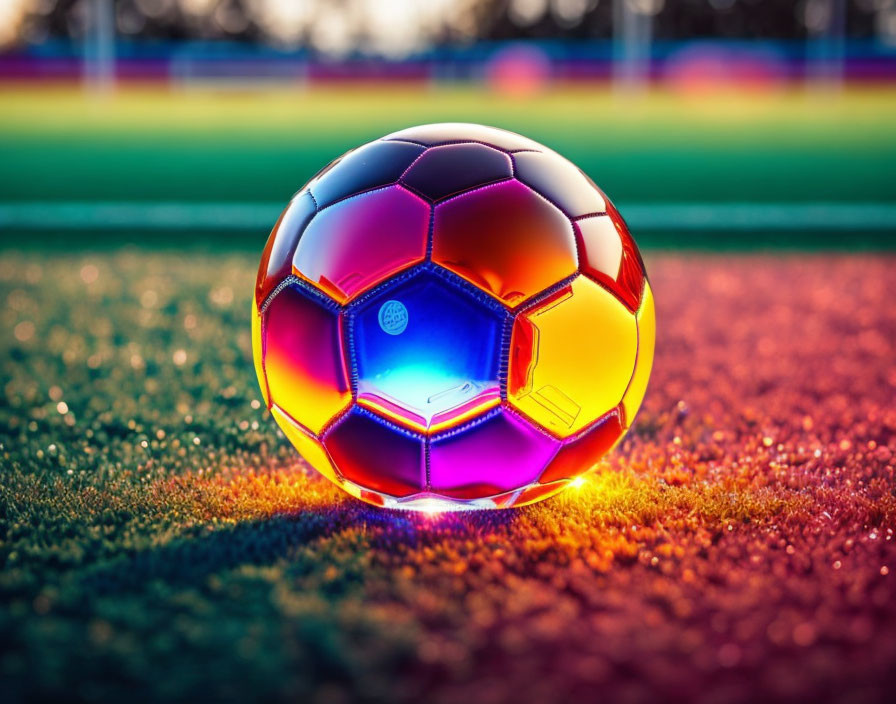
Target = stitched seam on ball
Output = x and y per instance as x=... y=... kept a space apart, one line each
x=429 y=233
x=535 y=300
x=504 y=362
x=427 y=450
x=463 y=427
x=313 y=292
x=350 y=348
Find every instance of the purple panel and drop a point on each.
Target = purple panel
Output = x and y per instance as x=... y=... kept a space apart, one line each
x=448 y=132
x=276 y=261
x=444 y=171
x=501 y=453
x=374 y=164
x=560 y=182
x=358 y=242
x=378 y=456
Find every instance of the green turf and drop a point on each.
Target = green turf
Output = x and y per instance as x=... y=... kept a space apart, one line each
x=151 y=146
x=160 y=540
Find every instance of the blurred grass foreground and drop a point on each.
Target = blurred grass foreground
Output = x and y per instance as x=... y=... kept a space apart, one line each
x=161 y=541
x=736 y=168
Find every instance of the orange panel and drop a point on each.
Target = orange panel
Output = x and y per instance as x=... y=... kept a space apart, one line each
x=646 y=340
x=571 y=358
x=505 y=239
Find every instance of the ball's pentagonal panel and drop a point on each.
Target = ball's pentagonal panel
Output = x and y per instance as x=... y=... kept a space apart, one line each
x=276 y=260
x=453 y=168
x=571 y=357
x=357 y=243
x=631 y=402
x=496 y=454
x=580 y=453
x=450 y=132
x=505 y=239
x=304 y=362
x=560 y=182
x=258 y=354
x=309 y=447
x=609 y=255
x=373 y=165
x=426 y=352
x=376 y=455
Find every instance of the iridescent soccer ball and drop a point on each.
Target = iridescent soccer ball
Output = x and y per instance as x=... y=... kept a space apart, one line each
x=453 y=316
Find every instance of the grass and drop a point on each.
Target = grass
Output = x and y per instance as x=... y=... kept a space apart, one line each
x=153 y=145
x=160 y=539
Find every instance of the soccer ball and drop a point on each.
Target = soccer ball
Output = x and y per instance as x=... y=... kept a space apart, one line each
x=452 y=316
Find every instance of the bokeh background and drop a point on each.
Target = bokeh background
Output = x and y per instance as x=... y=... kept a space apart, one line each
x=159 y=538
x=711 y=122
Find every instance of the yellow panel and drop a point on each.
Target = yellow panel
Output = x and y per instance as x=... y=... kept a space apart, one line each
x=572 y=357
x=646 y=340
x=257 y=354
x=308 y=446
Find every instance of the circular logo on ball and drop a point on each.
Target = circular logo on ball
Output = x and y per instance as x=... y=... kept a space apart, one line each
x=393 y=317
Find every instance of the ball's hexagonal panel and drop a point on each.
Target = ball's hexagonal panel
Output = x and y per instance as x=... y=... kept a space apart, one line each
x=609 y=255
x=580 y=453
x=560 y=182
x=427 y=353
x=357 y=243
x=258 y=354
x=375 y=164
x=497 y=453
x=448 y=132
x=376 y=455
x=571 y=357
x=505 y=239
x=453 y=168
x=631 y=402
x=276 y=260
x=309 y=447
x=304 y=362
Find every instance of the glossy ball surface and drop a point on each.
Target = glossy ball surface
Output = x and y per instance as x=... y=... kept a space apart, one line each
x=453 y=316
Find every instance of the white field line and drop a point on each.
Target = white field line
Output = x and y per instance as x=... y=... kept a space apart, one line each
x=52 y=215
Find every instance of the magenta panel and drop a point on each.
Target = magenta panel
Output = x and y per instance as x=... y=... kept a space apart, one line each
x=357 y=243
x=376 y=455
x=501 y=453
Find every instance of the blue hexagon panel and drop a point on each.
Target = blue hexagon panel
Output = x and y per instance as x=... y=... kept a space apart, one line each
x=426 y=352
